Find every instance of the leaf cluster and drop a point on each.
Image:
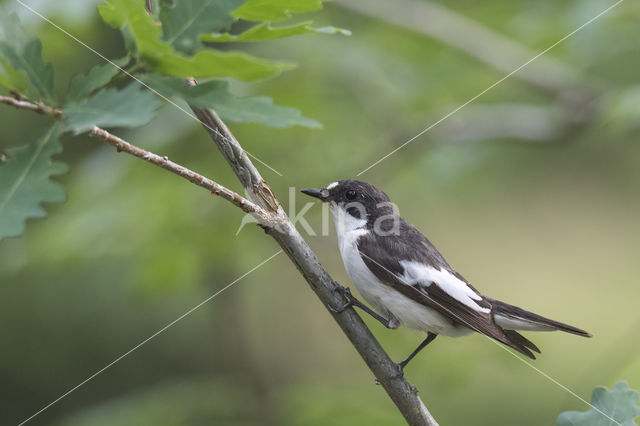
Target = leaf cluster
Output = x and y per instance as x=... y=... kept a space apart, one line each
x=164 y=46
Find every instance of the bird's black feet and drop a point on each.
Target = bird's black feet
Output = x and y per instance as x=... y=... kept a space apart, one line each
x=402 y=364
x=430 y=337
x=347 y=295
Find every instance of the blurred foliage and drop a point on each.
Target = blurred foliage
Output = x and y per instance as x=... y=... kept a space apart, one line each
x=191 y=403
x=215 y=94
x=620 y=405
x=150 y=44
x=265 y=31
x=550 y=224
x=21 y=53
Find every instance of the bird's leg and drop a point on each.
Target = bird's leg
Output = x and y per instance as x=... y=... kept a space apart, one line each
x=425 y=342
x=391 y=323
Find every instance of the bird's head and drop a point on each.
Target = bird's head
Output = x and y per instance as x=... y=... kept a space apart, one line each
x=355 y=198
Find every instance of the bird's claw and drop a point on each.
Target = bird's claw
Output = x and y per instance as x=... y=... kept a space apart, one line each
x=341 y=309
x=347 y=294
x=345 y=291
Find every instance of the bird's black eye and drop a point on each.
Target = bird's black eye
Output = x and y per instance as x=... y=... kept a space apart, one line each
x=351 y=194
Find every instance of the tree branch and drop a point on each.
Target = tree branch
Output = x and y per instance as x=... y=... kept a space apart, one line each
x=272 y=218
x=478 y=41
x=237 y=158
x=120 y=144
x=40 y=108
x=215 y=188
x=401 y=392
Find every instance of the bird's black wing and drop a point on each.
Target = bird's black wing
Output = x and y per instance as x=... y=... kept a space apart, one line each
x=383 y=256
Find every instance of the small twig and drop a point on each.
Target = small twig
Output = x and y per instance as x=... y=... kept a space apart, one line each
x=215 y=188
x=39 y=107
x=263 y=217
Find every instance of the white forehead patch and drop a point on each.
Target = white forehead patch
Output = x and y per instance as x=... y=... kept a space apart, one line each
x=332 y=185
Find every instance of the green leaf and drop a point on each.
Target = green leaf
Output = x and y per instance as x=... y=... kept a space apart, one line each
x=184 y=20
x=619 y=404
x=83 y=85
x=212 y=63
x=129 y=107
x=274 y=10
x=13 y=79
x=30 y=60
x=132 y=19
x=22 y=53
x=25 y=184
x=265 y=31
x=12 y=31
x=215 y=94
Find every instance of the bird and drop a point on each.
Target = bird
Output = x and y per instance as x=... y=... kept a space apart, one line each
x=408 y=282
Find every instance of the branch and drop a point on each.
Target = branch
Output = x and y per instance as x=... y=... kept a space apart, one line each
x=237 y=158
x=403 y=394
x=215 y=188
x=272 y=218
x=40 y=108
x=478 y=41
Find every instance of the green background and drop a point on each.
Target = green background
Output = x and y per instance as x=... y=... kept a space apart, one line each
x=550 y=225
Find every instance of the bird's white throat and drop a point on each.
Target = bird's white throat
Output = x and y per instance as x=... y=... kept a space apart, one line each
x=348 y=229
x=345 y=223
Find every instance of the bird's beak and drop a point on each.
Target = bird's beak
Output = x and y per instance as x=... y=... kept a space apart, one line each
x=321 y=194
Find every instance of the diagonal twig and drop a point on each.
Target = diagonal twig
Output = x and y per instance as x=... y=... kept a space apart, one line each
x=401 y=392
x=193 y=177
x=120 y=144
x=40 y=108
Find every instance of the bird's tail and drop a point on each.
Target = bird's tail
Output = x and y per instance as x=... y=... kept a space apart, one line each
x=511 y=317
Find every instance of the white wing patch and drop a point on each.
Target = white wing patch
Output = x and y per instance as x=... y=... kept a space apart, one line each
x=331 y=185
x=416 y=272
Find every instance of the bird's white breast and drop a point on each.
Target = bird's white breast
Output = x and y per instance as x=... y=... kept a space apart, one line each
x=383 y=298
